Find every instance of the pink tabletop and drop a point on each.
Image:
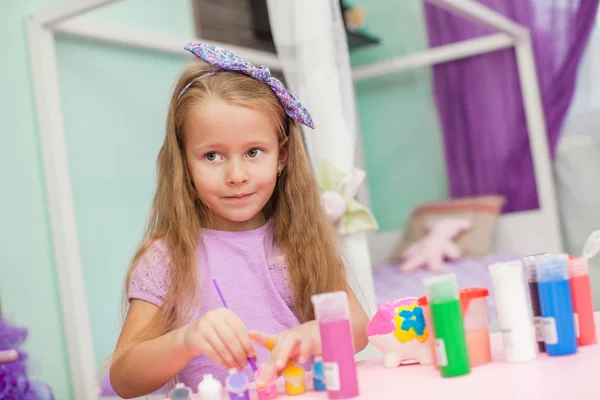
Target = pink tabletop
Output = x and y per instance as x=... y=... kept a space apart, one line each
x=574 y=376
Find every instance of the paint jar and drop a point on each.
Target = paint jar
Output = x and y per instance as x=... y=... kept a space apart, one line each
x=293 y=376
x=180 y=392
x=557 y=305
x=447 y=322
x=531 y=263
x=514 y=311
x=237 y=385
x=269 y=391
x=583 y=303
x=210 y=388
x=475 y=320
x=318 y=374
x=332 y=313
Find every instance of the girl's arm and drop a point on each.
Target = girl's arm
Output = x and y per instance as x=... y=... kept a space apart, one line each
x=151 y=364
x=359 y=320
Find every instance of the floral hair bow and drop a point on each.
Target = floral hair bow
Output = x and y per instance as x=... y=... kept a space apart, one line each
x=225 y=60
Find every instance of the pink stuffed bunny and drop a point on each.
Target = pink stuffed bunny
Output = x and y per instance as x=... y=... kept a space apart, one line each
x=437 y=246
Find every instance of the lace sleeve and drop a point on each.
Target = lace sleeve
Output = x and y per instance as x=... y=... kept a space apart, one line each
x=150 y=278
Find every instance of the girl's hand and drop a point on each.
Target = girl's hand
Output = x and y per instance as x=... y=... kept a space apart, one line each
x=298 y=343
x=220 y=335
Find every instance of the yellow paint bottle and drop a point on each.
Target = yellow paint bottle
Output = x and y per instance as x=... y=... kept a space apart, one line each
x=293 y=375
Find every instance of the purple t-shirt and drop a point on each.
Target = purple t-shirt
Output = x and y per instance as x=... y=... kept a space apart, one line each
x=252 y=274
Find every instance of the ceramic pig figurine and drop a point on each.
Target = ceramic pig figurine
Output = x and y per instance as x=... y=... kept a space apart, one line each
x=398 y=330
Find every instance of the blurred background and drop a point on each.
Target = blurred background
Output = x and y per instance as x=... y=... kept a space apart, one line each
x=438 y=143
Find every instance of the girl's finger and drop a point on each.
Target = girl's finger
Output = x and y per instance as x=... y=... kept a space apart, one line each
x=221 y=354
x=278 y=359
x=231 y=343
x=305 y=350
x=263 y=339
x=286 y=348
x=242 y=335
x=270 y=368
x=269 y=372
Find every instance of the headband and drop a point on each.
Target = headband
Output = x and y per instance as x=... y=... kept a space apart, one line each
x=225 y=60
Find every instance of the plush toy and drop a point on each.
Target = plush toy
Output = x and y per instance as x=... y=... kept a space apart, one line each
x=398 y=330
x=437 y=246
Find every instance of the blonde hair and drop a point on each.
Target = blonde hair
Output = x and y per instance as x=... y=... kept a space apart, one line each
x=177 y=213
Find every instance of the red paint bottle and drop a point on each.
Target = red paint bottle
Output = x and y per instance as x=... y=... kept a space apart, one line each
x=583 y=305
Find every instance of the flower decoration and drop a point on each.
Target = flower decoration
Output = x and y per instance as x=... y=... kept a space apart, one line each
x=337 y=198
x=13 y=372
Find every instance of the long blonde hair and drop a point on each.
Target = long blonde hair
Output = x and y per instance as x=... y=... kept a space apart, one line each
x=177 y=214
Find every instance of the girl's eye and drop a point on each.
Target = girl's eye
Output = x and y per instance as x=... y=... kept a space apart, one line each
x=253 y=153
x=212 y=156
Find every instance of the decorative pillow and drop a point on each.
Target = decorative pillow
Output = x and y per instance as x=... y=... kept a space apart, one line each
x=476 y=241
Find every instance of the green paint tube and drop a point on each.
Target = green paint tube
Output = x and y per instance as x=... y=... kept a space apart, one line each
x=448 y=329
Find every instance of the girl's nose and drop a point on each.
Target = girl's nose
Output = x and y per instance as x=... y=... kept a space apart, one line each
x=237 y=173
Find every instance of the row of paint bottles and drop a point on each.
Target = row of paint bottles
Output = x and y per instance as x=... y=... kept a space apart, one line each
x=448 y=327
x=560 y=292
x=554 y=314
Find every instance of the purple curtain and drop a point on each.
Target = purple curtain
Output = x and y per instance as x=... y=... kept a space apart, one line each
x=479 y=99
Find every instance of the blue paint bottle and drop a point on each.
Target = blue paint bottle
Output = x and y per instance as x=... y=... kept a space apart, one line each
x=558 y=319
x=318 y=375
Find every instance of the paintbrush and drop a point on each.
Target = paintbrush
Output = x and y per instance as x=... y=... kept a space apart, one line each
x=250 y=360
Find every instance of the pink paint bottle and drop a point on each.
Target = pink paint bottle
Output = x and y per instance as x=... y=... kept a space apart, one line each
x=332 y=313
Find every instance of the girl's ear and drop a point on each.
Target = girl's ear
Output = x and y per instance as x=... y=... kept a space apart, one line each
x=283 y=153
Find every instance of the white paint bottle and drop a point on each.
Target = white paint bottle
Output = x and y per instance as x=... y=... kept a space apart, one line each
x=514 y=311
x=210 y=388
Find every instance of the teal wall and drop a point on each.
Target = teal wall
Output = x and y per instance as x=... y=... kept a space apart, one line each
x=115 y=102
x=28 y=287
x=114 y=105
x=400 y=131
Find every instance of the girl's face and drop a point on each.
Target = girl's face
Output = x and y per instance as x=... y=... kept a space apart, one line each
x=233 y=153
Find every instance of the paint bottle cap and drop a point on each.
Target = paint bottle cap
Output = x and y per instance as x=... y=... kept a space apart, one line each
x=578 y=266
x=209 y=387
x=553 y=268
x=236 y=382
x=180 y=392
x=507 y=272
x=293 y=373
x=441 y=288
x=331 y=306
x=531 y=262
x=592 y=245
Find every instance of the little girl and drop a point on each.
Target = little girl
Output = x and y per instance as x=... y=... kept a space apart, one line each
x=236 y=201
